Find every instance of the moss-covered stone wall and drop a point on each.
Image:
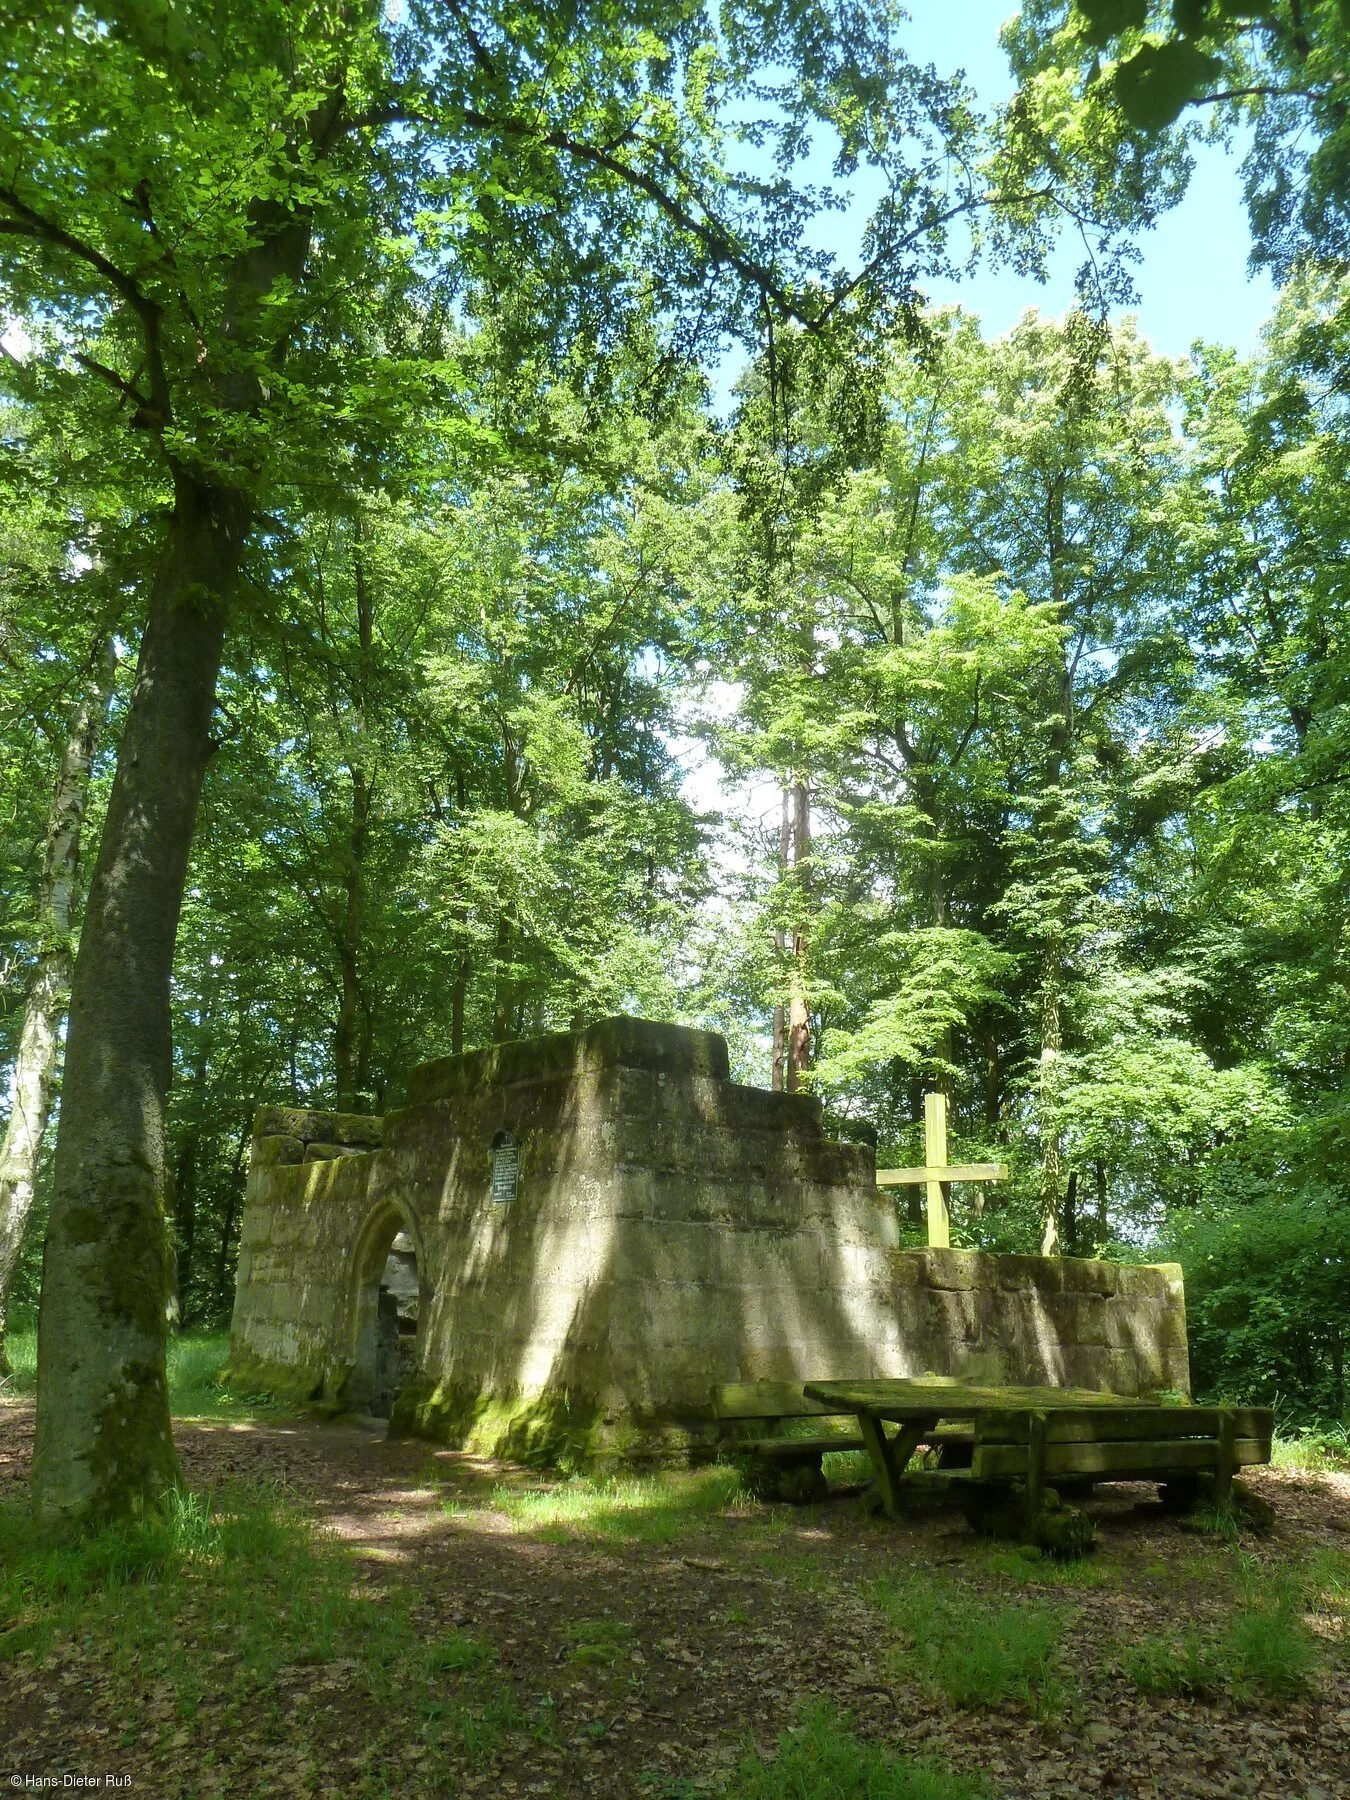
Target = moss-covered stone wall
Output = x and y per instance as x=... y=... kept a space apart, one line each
x=670 y=1231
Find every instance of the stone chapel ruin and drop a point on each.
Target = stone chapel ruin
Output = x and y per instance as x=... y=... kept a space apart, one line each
x=558 y=1248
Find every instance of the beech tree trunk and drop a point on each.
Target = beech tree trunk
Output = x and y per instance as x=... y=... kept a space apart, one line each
x=50 y=989
x=1048 y=1102
x=778 y=1079
x=104 y=1444
x=799 y=1014
x=458 y=993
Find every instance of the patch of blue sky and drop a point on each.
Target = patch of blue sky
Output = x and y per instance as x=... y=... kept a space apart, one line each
x=1192 y=280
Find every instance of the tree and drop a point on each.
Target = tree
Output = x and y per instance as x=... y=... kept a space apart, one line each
x=216 y=217
x=1121 y=89
x=49 y=987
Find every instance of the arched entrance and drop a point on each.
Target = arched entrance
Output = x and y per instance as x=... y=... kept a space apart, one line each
x=388 y=1306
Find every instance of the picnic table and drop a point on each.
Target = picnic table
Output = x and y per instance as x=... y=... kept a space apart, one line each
x=1034 y=1435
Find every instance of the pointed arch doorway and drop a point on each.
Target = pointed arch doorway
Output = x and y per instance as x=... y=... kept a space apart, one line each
x=389 y=1295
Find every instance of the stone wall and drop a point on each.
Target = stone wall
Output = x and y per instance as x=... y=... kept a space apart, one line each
x=670 y=1231
x=306 y=1202
x=1059 y=1321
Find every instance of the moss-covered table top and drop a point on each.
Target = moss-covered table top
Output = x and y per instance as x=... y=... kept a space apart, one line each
x=1028 y=1435
x=953 y=1399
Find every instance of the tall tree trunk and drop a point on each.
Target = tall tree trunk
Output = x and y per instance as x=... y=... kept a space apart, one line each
x=186 y=1172
x=1103 y=1221
x=1071 y=1214
x=351 y=1050
x=104 y=1443
x=799 y=1014
x=780 y=1012
x=505 y=988
x=351 y=1046
x=50 y=988
x=230 y=1217
x=1049 y=1107
x=458 y=994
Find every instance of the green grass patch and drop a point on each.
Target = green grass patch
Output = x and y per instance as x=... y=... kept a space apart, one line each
x=1029 y=1567
x=235 y=1620
x=973 y=1652
x=1320 y=1451
x=653 y=1509
x=824 y=1759
x=1263 y=1651
x=598 y=1641
x=195 y=1360
x=457 y=1652
x=21 y=1349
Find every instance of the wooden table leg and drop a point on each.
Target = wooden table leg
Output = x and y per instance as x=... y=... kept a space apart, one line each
x=1035 y=1496
x=891 y=1455
x=1225 y=1463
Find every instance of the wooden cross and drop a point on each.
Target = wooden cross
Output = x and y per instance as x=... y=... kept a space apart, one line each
x=937 y=1175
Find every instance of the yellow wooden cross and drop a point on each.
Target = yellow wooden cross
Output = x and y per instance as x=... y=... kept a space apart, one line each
x=937 y=1175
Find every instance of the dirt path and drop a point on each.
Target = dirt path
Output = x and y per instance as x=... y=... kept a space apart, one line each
x=723 y=1632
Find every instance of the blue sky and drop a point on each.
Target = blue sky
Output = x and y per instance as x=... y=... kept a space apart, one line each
x=1193 y=279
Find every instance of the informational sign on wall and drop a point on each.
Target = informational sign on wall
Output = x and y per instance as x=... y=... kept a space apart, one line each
x=505 y=1168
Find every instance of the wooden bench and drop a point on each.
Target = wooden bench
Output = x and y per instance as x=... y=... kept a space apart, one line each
x=773 y=1402
x=1037 y=1436
x=1168 y=1444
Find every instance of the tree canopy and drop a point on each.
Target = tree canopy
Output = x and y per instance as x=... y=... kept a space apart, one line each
x=360 y=398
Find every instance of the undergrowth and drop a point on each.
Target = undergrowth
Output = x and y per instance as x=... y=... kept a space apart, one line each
x=231 y=1624
x=1315 y=1451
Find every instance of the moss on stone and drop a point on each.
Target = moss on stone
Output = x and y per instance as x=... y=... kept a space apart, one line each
x=291 y=1384
x=550 y=1431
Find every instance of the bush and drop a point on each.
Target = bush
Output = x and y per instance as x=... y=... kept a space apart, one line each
x=1268 y=1299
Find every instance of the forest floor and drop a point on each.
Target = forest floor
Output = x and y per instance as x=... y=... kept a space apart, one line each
x=457 y=1627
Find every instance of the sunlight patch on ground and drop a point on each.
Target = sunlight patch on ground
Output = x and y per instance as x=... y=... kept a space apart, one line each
x=653 y=1508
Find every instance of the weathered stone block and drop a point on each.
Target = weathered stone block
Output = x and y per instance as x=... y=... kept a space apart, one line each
x=1031 y=1274
x=359 y=1130
x=1088 y=1275
x=267 y=1152
x=950 y=1268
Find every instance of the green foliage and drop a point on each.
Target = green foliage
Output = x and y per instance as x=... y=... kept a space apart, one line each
x=824 y=1759
x=1128 y=87
x=1267 y=1297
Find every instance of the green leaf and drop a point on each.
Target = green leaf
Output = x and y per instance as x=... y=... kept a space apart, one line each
x=1189 y=16
x=1105 y=19
x=1155 y=83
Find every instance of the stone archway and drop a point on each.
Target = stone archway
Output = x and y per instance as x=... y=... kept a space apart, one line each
x=388 y=1293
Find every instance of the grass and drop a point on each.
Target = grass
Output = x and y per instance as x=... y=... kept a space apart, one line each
x=235 y=1620
x=195 y=1359
x=975 y=1653
x=653 y=1509
x=21 y=1349
x=1317 y=1451
x=1029 y=1567
x=1264 y=1651
x=598 y=1641
x=823 y=1759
